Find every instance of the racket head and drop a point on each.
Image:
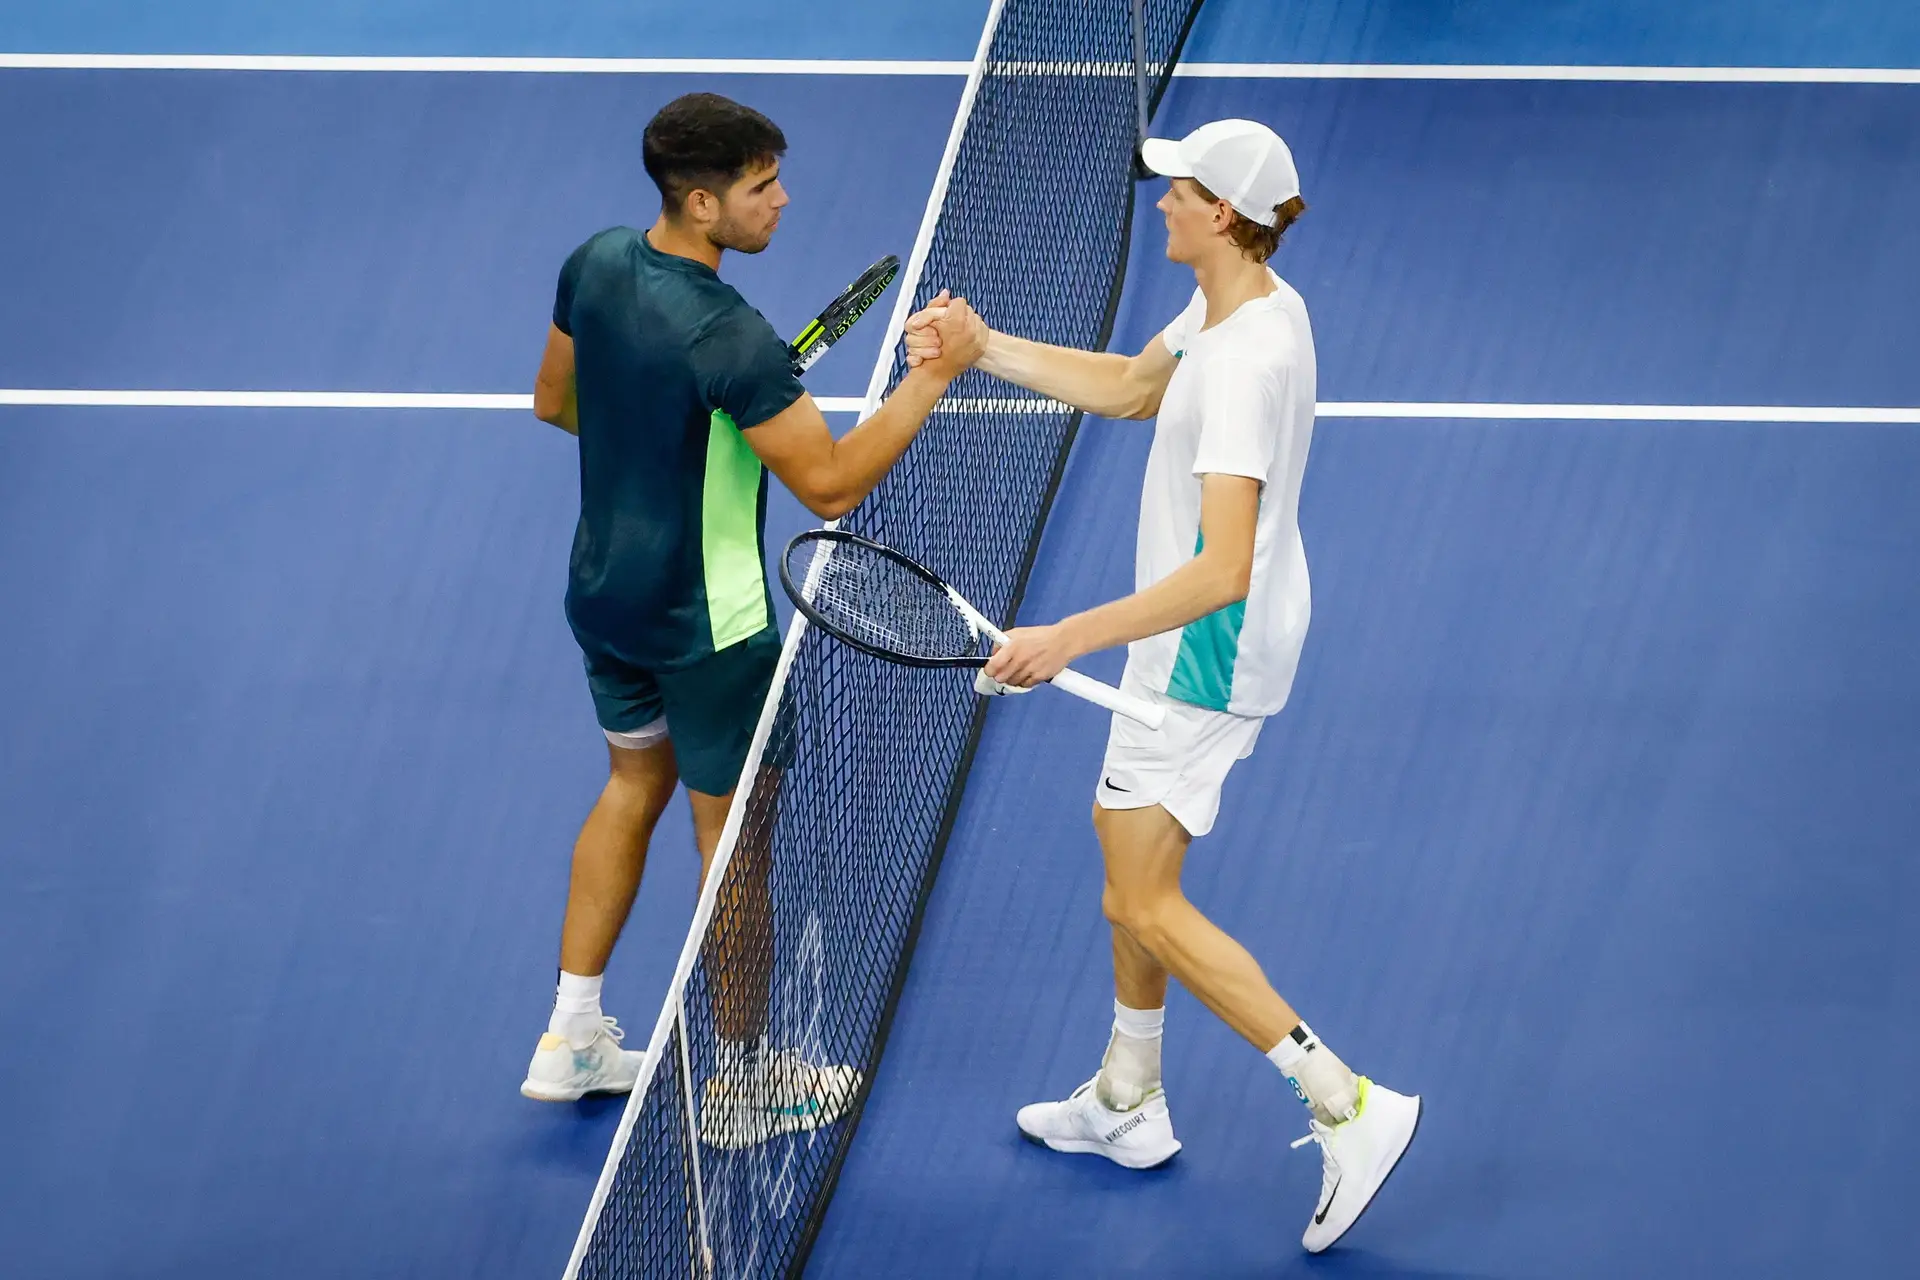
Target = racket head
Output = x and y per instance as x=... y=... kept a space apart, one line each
x=832 y=324
x=878 y=600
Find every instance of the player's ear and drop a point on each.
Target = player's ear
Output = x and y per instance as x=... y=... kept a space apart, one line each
x=701 y=207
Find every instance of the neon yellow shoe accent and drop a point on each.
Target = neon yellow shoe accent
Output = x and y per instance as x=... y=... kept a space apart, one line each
x=1361 y=1085
x=549 y=1041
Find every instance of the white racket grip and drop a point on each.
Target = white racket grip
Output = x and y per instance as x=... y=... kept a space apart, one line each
x=1105 y=695
x=1071 y=681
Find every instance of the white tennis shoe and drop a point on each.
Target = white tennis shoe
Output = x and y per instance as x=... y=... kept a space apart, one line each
x=1136 y=1139
x=787 y=1095
x=1356 y=1156
x=561 y=1073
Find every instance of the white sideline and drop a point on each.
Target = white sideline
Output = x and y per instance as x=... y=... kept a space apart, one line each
x=1465 y=410
x=938 y=67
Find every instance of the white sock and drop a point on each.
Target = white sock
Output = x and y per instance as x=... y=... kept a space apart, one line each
x=1320 y=1079
x=1131 y=1070
x=576 y=1009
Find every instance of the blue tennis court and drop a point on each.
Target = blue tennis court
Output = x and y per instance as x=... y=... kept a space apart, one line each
x=1592 y=818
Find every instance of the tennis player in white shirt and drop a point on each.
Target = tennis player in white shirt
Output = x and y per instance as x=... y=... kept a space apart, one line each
x=1214 y=630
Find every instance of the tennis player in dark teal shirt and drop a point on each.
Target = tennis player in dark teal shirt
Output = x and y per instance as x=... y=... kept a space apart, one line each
x=667 y=594
x=682 y=397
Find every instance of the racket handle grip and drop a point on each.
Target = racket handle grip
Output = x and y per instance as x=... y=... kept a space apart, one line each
x=1105 y=695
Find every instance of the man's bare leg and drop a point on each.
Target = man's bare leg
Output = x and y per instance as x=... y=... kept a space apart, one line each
x=581 y=1053
x=1145 y=850
x=760 y=1090
x=1139 y=981
x=1130 y=1071
x=611 y=854
x=738 y=948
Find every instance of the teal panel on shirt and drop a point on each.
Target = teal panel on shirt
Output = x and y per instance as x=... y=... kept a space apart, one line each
x=1209 y=647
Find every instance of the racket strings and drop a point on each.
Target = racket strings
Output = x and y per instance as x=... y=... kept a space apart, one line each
x=874 y=600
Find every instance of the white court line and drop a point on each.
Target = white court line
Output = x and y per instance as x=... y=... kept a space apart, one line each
x=1620 y=412
x=265 y=399
x=1451 y=71
x=1468 y=411
x=934 y=67
x=530 y=66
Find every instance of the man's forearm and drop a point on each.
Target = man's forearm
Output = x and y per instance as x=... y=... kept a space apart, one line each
x=1197 y=588
x=1095 y=381
x=564 y=415
x=862 y=456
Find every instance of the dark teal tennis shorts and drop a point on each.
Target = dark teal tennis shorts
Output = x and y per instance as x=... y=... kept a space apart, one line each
x=710 y=708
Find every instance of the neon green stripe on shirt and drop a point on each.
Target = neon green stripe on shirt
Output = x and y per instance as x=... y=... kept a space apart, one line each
x=730 y=536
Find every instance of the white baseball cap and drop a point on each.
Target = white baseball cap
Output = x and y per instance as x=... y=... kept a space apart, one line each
x=1241 y=161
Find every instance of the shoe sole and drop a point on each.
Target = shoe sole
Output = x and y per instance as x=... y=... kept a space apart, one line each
x=1083 y=1147
x=784 y=1123
x=1420 y=1109
x=782 y=1126
x=528 y=1089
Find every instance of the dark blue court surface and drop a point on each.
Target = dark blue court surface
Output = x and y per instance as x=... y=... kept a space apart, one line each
x=1592 y=819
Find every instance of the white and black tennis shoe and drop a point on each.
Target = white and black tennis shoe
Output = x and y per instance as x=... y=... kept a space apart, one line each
x=1356 y=1156
x=1136 y=1139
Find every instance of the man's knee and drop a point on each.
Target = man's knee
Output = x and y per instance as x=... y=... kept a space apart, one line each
x=1139 y=910
x=639 y=788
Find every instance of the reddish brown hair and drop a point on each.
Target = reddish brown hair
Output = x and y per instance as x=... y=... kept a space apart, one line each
x=1248 y=236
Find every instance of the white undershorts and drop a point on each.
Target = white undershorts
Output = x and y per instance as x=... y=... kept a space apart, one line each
x=1180 y=766
x=654 y=731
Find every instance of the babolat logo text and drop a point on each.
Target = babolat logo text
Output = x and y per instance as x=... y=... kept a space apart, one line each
x=1131 y=1124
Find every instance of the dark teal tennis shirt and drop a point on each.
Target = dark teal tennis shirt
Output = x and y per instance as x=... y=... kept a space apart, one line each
x=671 y=365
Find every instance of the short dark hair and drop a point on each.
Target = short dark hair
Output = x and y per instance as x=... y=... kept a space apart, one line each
x=1252 y=239
x=704 y=140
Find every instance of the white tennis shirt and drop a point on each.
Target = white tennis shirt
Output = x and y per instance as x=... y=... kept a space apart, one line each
x=1240 y=403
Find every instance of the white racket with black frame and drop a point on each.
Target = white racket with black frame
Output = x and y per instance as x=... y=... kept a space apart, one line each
x=885 y=603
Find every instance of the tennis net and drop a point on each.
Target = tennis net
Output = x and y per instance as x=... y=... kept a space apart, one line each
x=809 y=919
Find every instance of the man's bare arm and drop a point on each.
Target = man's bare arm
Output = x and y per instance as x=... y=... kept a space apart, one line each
x=830 y=476
x=1220 y=575
x=554 y=399
x=1106 y=383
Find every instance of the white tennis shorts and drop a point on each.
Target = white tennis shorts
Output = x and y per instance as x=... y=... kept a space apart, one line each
x=1180 y=766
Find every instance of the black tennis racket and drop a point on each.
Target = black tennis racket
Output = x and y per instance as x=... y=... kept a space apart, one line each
x=887 y=604
x=832 y=324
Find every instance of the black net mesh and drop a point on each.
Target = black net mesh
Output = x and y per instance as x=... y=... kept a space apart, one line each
x=819 y=905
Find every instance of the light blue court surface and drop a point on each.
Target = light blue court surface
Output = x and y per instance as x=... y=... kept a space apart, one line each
x=1593 y=817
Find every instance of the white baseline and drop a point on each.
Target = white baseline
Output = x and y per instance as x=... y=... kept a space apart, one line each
x=520 y=403
x=937 y=67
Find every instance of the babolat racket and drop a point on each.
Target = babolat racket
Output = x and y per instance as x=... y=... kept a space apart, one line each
x=832 y=324
x=884 y=603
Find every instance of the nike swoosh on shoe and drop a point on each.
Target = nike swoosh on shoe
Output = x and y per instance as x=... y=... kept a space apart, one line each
x=1321 y=1217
